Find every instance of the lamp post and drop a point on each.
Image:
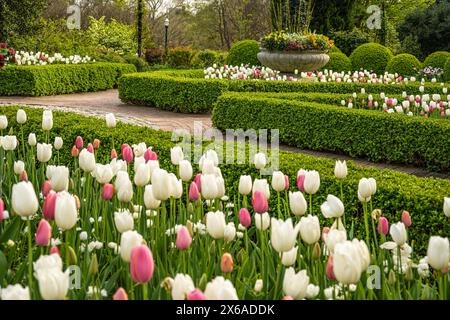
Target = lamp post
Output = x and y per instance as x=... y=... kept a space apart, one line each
x=166 y=26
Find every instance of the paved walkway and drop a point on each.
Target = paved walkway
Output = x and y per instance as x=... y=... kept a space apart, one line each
x=100 y=103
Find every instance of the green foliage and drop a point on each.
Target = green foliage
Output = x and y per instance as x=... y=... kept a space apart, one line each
x=371 y=56
x=180 y=57
x=60 y=78
x=411 y=45
x=206 y=58
x=437 y=59
x=404 y=64
x=114 y=35
x=140 y=63
x=338 y=62
x=154 y=56
x=422 y=197
x=429 y=26
x=447 y=70
x=349 y=41
x=282 y=41
x=244 y=52
x=335 y=49
x=359 y=133
x=157 y=89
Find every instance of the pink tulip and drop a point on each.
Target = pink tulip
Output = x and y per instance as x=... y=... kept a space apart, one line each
x=301 y=182
x=259 y=201
x=96 y=144
x=329 y=269
x=107 y=191
x=325 y=230
x=196 y=294
x=2 y=209
x=184 y=239
x=46 y=188
x=48 y=208
x=244 y=217
x=286 y=182
x=79 y=143
x=127 y=154
x=90 y=148
x=113 y=154
x=120 y=294
x=197 y=181
x=125 y=145
x=43 y=233
x=141 y=264
x=149 y=154
x=406 y=219
x=287 y=298
x=383 y=226
x=370 y=104
x=194 y=195
x=54 y=249
x=24 y=176
x=390 y=102
x=74 y=152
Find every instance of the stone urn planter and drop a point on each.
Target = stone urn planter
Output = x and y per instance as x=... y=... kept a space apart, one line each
x=289 y=61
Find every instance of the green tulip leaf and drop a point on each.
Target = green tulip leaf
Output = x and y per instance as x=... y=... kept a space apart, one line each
x=11 y=231
x=3 y=266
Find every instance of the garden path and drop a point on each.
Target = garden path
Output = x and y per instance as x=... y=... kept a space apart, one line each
x=100 y=103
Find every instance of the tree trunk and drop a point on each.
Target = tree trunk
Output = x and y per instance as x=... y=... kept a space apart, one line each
x=140 y=14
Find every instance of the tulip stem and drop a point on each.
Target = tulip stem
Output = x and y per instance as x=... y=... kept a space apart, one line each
x=366 y=224
x=342 y=198
x=279 y=204
x=145 y=291
x=30 y=258
x=310 y=203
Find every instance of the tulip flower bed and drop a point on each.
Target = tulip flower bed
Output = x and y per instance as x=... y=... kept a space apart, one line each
x=61 y=78
x=188 y=91
x=359 y=133
x=132 y=230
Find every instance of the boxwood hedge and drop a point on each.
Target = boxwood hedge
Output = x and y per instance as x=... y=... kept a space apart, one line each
x=360 y=133
x=61 y=78
x=422 y=197
x=188 y=91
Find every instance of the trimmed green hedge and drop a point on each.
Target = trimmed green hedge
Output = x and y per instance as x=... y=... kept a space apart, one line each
x=188 y=91
x=61 y=78
x=422 y=197
x=338 y=62
x=437 y=59
x=404 y=64
x=244 y=52
x=359 y=133
x=371 y=56
x=447 y=70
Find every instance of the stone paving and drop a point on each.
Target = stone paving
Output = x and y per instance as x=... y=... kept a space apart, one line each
x=99 y=103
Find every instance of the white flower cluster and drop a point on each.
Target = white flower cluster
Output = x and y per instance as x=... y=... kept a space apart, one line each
x=41 y=58
x=242 y=73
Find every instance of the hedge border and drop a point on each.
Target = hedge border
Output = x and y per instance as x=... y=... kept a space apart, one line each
x=61 y=78
x=422 y=197
x=359 y=133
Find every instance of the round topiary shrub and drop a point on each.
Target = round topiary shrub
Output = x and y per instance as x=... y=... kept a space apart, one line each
x=371 y=56
x=205 y=58
x=338 y=62
x=447 y=70
x=244 y=52
x=404 y=64
x=437 y=59
x=335 y=49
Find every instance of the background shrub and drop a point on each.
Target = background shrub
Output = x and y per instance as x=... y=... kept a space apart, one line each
x=371 y=56
x=180 y=57
x=60 y=78
x=206 y=58
x=437 y=59
x=335 y=49
x=140 y=63
x=154 y=55
x=349 y=41
x=338 y=62
x=447 y=70
x=244 y=52
x=404 y=64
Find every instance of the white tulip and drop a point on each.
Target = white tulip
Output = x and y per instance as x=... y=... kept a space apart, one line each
x=309 y=228
x=129 y=240
x=9 y=143
x=86 y=161
x=364 y=190
x=15 y=292
x=123 y=221
x=438 y=253
x=208 y=166
x=3 y=122
x=278 y=182
x=176 y=155
x=295 y=284
x=312 y=291
x=373 y=185
x=138 y=160
x=288 y=258
x=262 y=221
x=347 y=263
x=48 y=262
x=447 y=207
x=312 y=182
x=59 y=178
x=21 y=116
x=364 y=253
x=44 y=152
x=125 y=190
x=53 y=284
x=398 y=233
x=283 y=235
x=139 y=149
x=220 y=182
x=110 y=120
x=229 y=232
x=103 y=173
x=153 y=165
x=142 y=175
x=161 y=184
x=23 y=199
x=332 y=208
x=58 y=144
x=262 y=186
x=215 y=224
x=340 y=169
x=260 y=161
x=333 y=237
x=185 y=170
x=149 y=199
x=245 y=185
x=258 y=285
x=32 y=139
x=47 y=120
x=297 y=203
x=209 y=186
x=182 y=285
x=220 y=289
x=176 y=186
x=19 y=167
x=66 y=212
